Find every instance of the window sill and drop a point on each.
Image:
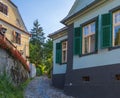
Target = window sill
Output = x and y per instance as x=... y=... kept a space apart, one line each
x=63 y=63
x=6 y=15
x=87 y=54
x=113 y=48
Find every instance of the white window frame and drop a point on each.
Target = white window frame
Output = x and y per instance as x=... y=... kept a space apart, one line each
x=89 y=37
x=64 y=49
x=114 y=25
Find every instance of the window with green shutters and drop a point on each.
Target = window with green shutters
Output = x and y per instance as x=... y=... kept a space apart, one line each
x=86 y=38
x=110 y=35
x=89 y=39
x=58 y=53
x=106 y=33
x=77 y=41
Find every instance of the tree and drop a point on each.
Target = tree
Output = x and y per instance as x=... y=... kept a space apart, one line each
x=37 y=32
x=35 y=54
x=48 y=56
x=40 y=51
x=36 y=44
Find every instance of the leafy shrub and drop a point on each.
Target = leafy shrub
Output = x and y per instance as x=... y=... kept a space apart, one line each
x=38 y=71
x=8 y=90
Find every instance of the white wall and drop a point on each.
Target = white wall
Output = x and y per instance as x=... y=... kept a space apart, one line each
x=104 y=8
x=104 y=57
x=58 y=69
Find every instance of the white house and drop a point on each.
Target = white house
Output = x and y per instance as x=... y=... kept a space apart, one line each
x=87 y=51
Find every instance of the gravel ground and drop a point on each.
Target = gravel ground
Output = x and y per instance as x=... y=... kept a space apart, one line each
x=40 y=87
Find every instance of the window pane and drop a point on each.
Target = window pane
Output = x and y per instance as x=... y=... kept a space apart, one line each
x=117 y=76
x=0 y=6
x=117 y=35
x=17 y=38
x=117 y=17
x=64 y=45
x=86 y=78
x=92 y=43
x=89 y=38
x=3 y=8
x=64 y=52
x=92 y=26
x=64 y=56
x=86 y=44
x=86 y=30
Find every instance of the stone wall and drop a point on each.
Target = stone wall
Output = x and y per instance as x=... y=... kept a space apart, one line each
x=12 y=67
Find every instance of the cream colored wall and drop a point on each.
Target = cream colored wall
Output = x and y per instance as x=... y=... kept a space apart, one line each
x=24 y=44
x=24 y=38
x=11 y=18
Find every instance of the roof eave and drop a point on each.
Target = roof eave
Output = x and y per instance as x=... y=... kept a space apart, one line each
x=25 y=32
x=57 y=32
x=18 y=14
x=79 y=12
x=12 y=3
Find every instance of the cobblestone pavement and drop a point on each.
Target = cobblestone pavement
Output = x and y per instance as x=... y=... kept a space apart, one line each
x=40 y=87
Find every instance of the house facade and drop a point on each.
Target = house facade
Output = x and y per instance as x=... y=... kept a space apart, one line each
x=16 y=32
x=59 y=65
x=86 y=52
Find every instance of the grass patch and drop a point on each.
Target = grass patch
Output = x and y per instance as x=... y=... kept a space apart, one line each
x=8 y=90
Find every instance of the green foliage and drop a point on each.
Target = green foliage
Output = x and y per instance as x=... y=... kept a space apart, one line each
x=8 y=90
x=36 y=44
x=38 y=71
x=48 y=56
x=40 y=51
x=36 y=54
x=43 y=59
x=37 y=32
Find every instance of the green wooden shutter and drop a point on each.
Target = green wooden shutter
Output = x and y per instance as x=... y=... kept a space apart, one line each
x=106 y=34
x=96 y=34
x=77 y=41
x=58 y=53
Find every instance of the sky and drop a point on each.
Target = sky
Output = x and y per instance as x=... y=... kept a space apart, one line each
x=48 y=12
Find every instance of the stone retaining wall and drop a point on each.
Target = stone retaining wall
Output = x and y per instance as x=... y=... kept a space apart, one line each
x=12 y=67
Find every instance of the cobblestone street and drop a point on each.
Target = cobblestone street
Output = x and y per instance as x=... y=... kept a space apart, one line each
x=41 y=87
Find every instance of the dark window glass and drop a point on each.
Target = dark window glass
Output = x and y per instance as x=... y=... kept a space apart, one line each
x=3 y=8
x=117 y=77
x=17 y=38
x=86 y=78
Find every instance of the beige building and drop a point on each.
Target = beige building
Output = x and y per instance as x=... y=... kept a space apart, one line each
x=17 y=33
